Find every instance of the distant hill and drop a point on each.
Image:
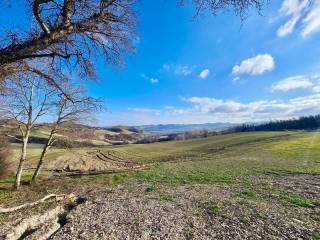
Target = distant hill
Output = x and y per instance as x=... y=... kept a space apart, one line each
x=76 y=134
x=176 y=128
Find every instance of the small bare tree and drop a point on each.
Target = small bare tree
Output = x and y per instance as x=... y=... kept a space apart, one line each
x=67 y=111
x=25 y=98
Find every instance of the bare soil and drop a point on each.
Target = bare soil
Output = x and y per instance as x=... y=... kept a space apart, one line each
x=254 y=208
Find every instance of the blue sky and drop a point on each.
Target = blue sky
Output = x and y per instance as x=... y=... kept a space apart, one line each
x=265 y=68
x=215 y=68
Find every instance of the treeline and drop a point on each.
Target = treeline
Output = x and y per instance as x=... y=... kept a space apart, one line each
x=301 y=123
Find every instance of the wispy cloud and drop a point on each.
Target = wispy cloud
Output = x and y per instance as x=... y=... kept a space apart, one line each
x=294 y=9
x=149 y=79
x=312 y=21
x=144 y=110
x=300 y=12
x=235 y=111
x=154 y=80
x=179 y=70
x=291 y=83
x=204 y=74
x=207 y=109
x=255 y=66
x=296 y=82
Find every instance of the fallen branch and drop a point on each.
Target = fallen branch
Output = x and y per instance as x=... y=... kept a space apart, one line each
x=13 y=209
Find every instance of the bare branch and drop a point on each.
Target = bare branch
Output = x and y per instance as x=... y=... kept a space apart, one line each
x=37 y=14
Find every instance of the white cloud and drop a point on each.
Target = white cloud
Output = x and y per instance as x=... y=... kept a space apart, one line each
x=300 y=12
x=144 y=76
x=255 y=66
x=180 y=70
x=288 y=27
x=316 y=89
x=204 y=74
x=294 y=9
x=150 y=79
x=235 y=111
x=145 y=110
x=306 y=81
x=312 y=20
x=291 y=83
x=154 y=80
x=206 y=109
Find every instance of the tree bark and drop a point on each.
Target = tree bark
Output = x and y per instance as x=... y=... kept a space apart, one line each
x=22 y=160
x=43 y=154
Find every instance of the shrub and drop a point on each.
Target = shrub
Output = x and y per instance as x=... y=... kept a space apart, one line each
x=5 y=152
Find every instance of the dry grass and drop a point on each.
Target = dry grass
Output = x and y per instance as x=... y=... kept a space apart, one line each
x=5 y=152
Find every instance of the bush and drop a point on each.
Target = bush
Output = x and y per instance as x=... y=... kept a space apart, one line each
x=5 y=152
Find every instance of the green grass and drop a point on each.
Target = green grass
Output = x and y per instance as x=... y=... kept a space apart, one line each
x=221 y=158
x=151 y=189
x=212 y=208
x=299 y=201
x=226 y=157
x=175 y=178
x=248 y=194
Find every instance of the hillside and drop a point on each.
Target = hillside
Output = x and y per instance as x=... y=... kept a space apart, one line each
x=222 y=187
x=77 y=133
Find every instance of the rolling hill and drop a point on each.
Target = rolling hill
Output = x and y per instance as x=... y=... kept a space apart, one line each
x=77 y=133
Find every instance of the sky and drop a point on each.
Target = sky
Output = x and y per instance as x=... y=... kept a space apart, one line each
x=215 y=68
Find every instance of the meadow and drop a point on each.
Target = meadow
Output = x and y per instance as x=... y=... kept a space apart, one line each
x=203 y=160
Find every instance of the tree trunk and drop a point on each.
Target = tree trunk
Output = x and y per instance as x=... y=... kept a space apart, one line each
x=43 y=154
x=22 y=160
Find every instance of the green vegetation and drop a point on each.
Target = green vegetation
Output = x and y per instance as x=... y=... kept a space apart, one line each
x=217 y=159
x=248 y=194
x=299 y=201
x=151 y=189
x=224 y=158
x=212 y=208
x=165 y=197
x=181 y=177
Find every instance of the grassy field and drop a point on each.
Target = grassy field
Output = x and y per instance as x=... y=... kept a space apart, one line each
x=247 y=176
x=226 y=157
x=213 y=159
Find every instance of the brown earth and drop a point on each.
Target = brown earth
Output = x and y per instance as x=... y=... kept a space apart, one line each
x=208 y=211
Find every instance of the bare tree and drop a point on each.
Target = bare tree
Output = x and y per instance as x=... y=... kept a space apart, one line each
x=72 y=32
x=240 y=7
x=67 y=111
x=25 y=98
